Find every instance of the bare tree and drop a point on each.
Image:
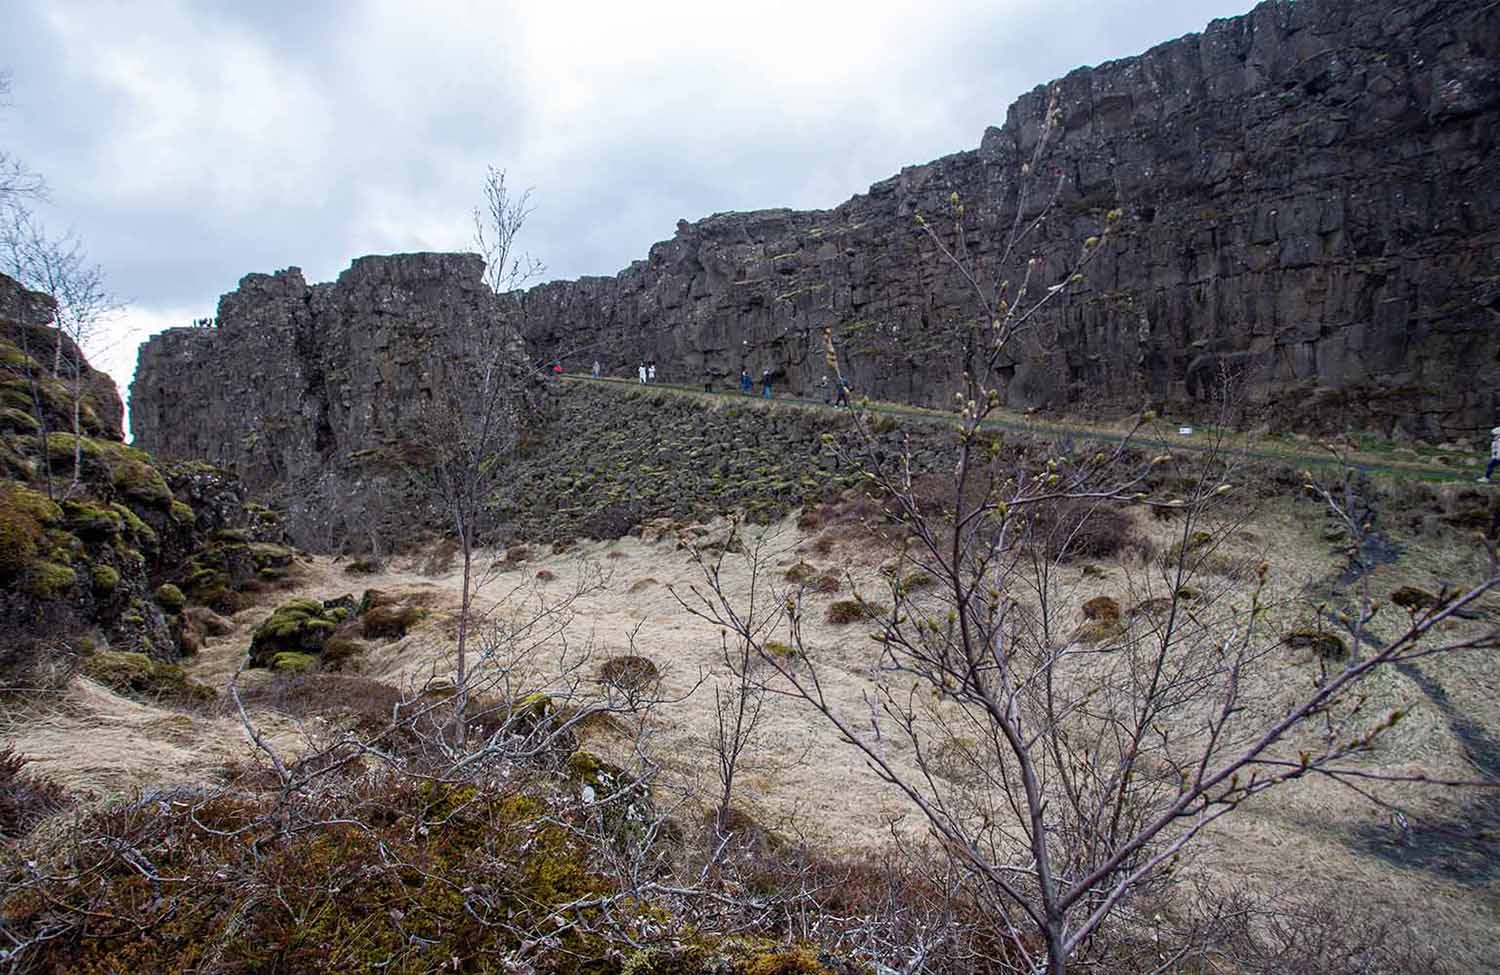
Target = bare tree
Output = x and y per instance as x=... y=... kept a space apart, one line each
x=1069 y=768
x=82 y=305
x=739 y=700
x=17 y=183
x=480 y=405
x=497 y=225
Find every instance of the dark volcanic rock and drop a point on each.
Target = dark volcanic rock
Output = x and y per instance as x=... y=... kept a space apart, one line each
x=1310 y=196
x=24 y=323
x=314 y=394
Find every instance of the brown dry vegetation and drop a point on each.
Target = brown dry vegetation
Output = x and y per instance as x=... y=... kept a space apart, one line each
x=799 y=776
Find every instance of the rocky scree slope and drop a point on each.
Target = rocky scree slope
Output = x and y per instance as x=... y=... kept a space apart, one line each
x=102 y=563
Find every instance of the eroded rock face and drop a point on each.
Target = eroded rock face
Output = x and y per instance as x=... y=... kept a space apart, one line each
x=25 y=318
x=314 y=394
x=1309 y=200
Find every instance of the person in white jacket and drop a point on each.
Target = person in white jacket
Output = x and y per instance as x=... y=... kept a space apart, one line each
x=1494 y=456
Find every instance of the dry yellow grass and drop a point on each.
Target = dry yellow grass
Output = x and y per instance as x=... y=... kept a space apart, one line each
x=799 y=773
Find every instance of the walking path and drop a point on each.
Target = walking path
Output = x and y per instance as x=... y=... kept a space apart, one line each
x=1371 y=462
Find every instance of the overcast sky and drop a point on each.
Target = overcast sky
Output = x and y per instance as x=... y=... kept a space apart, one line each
x=189 y=144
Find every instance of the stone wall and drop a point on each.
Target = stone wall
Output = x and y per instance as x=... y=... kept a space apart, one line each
x=302 y=390
x=1310 y=206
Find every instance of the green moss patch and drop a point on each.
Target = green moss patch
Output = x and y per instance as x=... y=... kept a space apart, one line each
x=137 y=675
x=49 y=580
x=290 y=662
x=297 y=626
x=170 y=598
x=105 y=579
x=24 y=515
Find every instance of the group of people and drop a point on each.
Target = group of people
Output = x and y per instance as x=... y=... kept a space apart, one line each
x=835 y=394
x=841 y=387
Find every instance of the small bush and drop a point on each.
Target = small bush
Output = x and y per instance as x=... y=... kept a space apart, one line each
x=781 y=651
x=916 y=579
x=853 y=610
x=105 y=579
x=48 y=580
x=1158 y=606
x=1070 y=530
x=828 y=583
x=368 y=565
x=1101 y=608
x=291 y=662
x=339 y=650
x=629 y=672
x=390 y=622
x=25 y=799
x=1098 y=631
x=545 y=575
x=642 y=584
x=801 y=573
x=1327 y=645
x=1413 y=600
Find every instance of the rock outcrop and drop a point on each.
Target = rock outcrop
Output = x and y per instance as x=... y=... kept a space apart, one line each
x=25 y=318
x=1307 y=202
x=94 y=534
x=314 y=394
x=1310 y=206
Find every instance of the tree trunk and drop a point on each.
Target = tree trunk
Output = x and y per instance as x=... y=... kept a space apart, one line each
x=461 y=697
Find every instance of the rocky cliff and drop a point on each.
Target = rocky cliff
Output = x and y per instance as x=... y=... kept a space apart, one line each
x=312 y=394
x=1310 y=205
x=1308 y=198
x=95 y=536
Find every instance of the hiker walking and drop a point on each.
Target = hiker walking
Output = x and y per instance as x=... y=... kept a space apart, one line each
x=843 y=399
x=1489 y=468
x=641 y=373
x=596 y=368
x=827 y=390
x=744 y=381
x=651 y=372
x=765 y=384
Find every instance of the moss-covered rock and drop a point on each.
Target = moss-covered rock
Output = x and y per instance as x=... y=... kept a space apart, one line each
x=92 y=521
x=106 y=580
x=49 y=580
x=170 y=598
x=24 y=517
x=291 y=662
x=298 y=626
x=139 y=676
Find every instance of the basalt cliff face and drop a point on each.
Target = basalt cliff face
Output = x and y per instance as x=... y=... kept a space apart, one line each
x=313 y=394
x=1309 y=197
